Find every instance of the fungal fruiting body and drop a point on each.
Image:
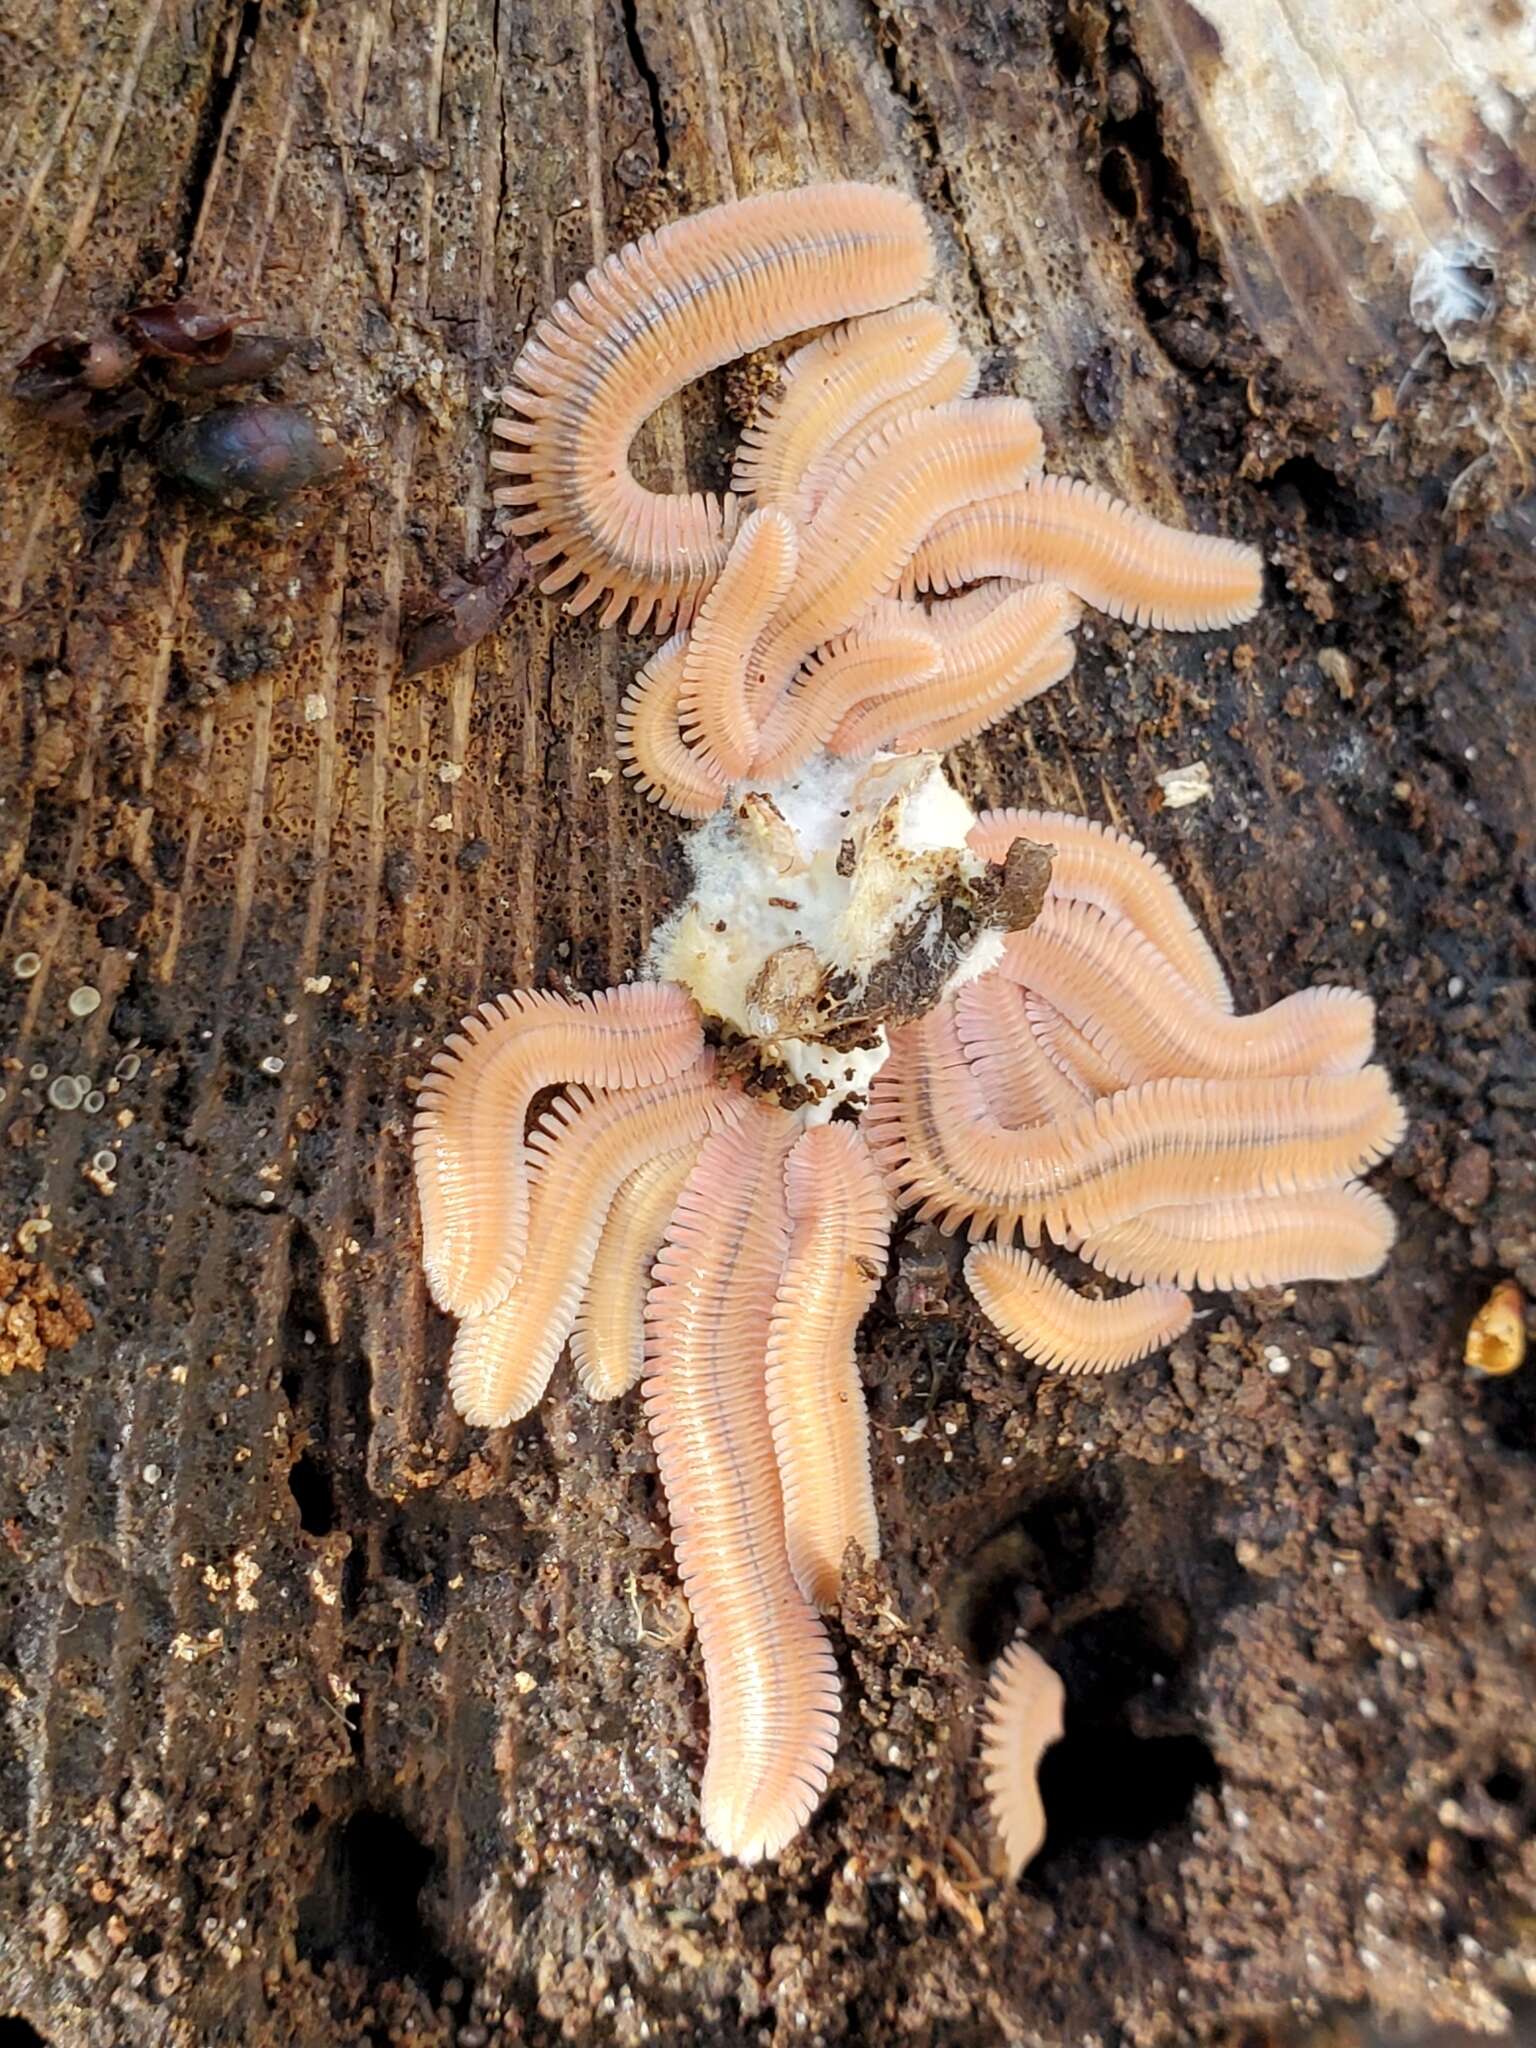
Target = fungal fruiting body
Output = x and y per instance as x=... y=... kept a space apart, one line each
x=871 y=998
x=822 y=910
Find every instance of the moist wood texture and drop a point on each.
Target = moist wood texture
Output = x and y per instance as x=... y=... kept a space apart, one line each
x=327 y=1718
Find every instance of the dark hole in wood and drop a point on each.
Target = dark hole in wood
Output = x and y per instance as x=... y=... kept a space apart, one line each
x=1326 y=500
x=1110 y=1658
x=1113 y=1778
x=1508 y=1406
x=309 y=1481
x=1121 y=183
x=364 y=1906
x=101 y=493
x=1106 y=1785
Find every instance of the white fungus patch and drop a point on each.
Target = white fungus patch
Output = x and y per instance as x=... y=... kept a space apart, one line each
x=1413 y=114
x=1190 y=784
x=826 y=882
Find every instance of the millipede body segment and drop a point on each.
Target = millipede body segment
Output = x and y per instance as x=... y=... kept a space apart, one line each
x=840 y=1226
x=1159 y=1144
x=987 y=669
x=608 y=1337
x=503 y=1358
x=868 y=999
x=1021 y=1719
x=1047 y=1321
x=1335 y=1233
x=472 y=1171
x=1144 y=1020
x=714 y=715
x=767 y=1659
x=647 y=322
x=861 y=670
x=651 y=747
x=1055 y=530
x=1015 y=1073
x=1095 y=864
x=875 y=512
x=836 y=390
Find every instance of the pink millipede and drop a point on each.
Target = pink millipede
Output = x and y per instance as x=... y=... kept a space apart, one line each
x=649 y=320
x=1096 y=864
x=875 y=511
x=471 y=1168
x=1119 y=560
x=1339 y=1233
x=871 y=663
x=1144 y=1020
x=837 y=390
x=608 y=1339
x=652 y=751
x=713 y=713
x=840 y=1222
x=1157 y=1145
x=1019 y=647
x=1019 y=1081
x=502 y=1360
x=773 y=1691
x=1021 y=1719
x=1045 y=1320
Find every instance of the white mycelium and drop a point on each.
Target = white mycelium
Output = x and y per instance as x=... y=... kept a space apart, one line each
x=809 y=897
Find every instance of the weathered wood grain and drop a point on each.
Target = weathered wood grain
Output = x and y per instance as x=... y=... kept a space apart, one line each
x=313 y=1699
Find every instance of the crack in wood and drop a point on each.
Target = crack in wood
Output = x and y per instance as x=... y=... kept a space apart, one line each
x=646 y=72
x=242 y=26
x=908 y=87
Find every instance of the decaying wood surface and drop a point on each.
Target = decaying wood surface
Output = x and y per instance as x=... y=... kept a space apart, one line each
x=328 y=1719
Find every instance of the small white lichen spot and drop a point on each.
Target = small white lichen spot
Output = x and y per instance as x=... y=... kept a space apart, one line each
x=247 y=1572
x=1188 y=785
x=190 y=1649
